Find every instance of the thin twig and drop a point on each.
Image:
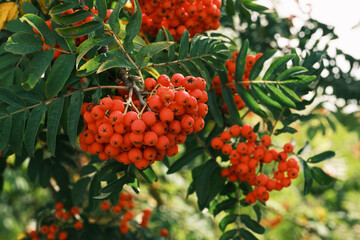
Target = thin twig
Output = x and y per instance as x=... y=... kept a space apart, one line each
x=116 y=37
x=203 y=146
x=277 y=120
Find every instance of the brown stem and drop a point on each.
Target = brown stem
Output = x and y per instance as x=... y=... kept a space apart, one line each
x=277 y=120
x=47 y=102
x=256 y=82
x=116 y=37
x=203 y=145
x=177 y=61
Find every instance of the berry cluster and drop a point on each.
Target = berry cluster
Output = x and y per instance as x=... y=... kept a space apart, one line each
x=231 y=66
x=66 y=222
x=123 y=208
x=173 y=110
x=56 y=228
x=195 y=16
x=78 y=40
x=248 y=158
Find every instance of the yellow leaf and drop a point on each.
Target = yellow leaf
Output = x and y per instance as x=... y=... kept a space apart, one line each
x=8 y=12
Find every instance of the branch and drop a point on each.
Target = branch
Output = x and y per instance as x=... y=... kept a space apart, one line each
x=47 y=102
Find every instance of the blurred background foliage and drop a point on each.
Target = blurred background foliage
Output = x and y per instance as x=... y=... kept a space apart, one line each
x=329 y=212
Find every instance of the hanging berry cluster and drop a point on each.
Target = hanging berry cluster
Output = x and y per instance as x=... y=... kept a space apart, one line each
x=195 y=16
x=55 y=227
x=230 y=67
x=174 y=109
x=66 y=222
x=123 y=210
x=249 y=157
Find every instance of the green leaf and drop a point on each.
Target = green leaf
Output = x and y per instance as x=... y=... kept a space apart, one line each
x=45 y=173
x=249 y=100
x=17 y=132
x=23 y=43
x=280 y=96
x=88 y=169
x=28 y=7
x=116 y=62
x=321 y=177
x=170 y=38
x=225 y=205
x=254 y=7
x=215 y=109
x=276 y=65
x=115 y=185
x=226 y=221
x=133 y=27
x=88 y=44
x=79 y=190
x=61 y=175
x=305 y=149
x=154 y=48
x=32 y=127
x=257 y=212
x=53 y=120
x=290 y=72
x=202 y=186
x=5 y=130
x=307 y=175
x=229 y=234
x=241 y=61
x=76 y=101
x=34 y=166
x=230 y=7
x=290 y=93
x=59 y=74
x=94 y=189
x=69 y=19
x=300 y=80
x=101 y=7
x=102 y=196
x=9 y=97
x=258 y=66
x=252 y=224
x=93 y=64
x=184 y=160
x=247 y=235
x=8 y=59
x=62 y=8
x=184 y=45
x=114 y=16
x=36 y=68
x=230 y=103
x=149 y=175
x=17 y=26
x=80 y=30
x=264 y=98
x=39 y=24
x=321 y=157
